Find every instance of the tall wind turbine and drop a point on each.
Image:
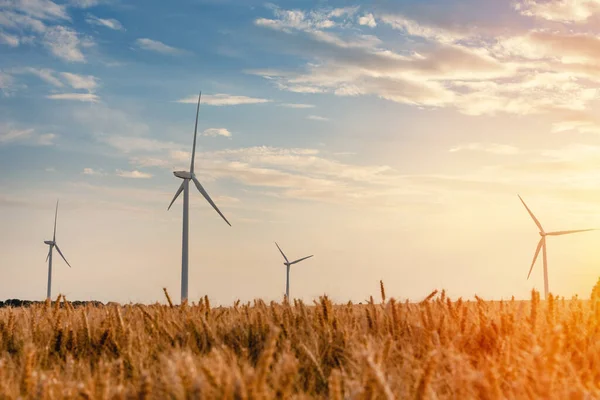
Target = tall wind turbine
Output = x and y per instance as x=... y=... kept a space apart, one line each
x=542 y=245
x=188 y=176
x=52 y=244
x=287 y=263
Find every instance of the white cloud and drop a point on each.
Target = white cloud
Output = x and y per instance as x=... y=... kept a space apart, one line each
x=128 y=144
x=87 y=82
x=6 y=83
x=559 y=10
x=13 y=135
x=470 y=68
x=10 y=40
x=296 y=105
x=415 y=28
x=84 y=97
x=368 y=20
x=216 y=132
x=87 y=3
x=221 y=99
x=9 y=134
x=21 y=22
x=91 y=171
x=313 y=20
x=301 y=173
x=133 y=174
x=317 y=118
x=44 y=74
x=64 y=43
x=348 y=64
x=45 y=139
x=493 y=148
x=107 y=23
x=159 y=47
x=39 y=9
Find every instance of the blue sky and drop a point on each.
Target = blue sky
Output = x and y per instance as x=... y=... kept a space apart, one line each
x=389 y=139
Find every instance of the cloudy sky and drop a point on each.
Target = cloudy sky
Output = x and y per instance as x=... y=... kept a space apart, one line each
x=389 y=139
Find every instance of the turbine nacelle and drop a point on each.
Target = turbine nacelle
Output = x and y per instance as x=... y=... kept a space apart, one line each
x=184 y=174
x=49 y=242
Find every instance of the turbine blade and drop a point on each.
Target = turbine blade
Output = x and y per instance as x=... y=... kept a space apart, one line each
x=176 y=195
x=558 y=233
x=61 y=254
x=301 y=259
x=195 y=133
x=55 y=216
x=537 y=253
x=281 y=251
x=207 y=197
x=532 y=216
x=48 y=256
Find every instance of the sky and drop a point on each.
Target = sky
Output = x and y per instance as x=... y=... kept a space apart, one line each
x=388 y=138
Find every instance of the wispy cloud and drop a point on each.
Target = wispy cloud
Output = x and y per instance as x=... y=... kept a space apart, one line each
x=135 y=174
x=368 y=20
x=6 y=83
x=87 y=3
x=221 y=99
x=460 y=66
x=419 y=29
x=493 y=148
x=9 y=134
x=296 y=105
x=39 y=9
x=317 y=118
x=64 y=43
x=107 y=23
x=45 y=74
x=567 y=11
x=13 y=135
x=10 y=40
x=87 y=82
x=129 y=144
x=91 y=171
x=158 y=47
x=216 y=132
x=84 y=97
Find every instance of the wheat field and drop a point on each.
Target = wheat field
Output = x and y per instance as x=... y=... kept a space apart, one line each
x=435 y=349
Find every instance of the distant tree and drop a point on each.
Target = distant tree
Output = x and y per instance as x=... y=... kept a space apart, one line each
x=596 y=291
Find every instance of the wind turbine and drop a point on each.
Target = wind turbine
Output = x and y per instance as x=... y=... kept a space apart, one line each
x=52 y=244
x=542 y=245
x=188 y=176
x=287 y=263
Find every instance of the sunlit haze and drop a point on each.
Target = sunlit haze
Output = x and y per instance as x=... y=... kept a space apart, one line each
x=389 y=139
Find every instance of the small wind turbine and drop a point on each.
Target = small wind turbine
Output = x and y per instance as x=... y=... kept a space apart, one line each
x=52 y=244
x=188 y=176
x=542 y=245
x=288 y=264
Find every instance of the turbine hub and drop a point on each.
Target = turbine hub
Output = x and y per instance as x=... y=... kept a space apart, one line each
x=542 y=234
x=183 y=174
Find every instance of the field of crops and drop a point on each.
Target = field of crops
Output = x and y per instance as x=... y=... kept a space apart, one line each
x=438 y=348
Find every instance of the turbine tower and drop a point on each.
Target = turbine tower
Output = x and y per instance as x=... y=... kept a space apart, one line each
x=287 y=263
x=52 y=244
x=542 y=246
x=188 y=176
